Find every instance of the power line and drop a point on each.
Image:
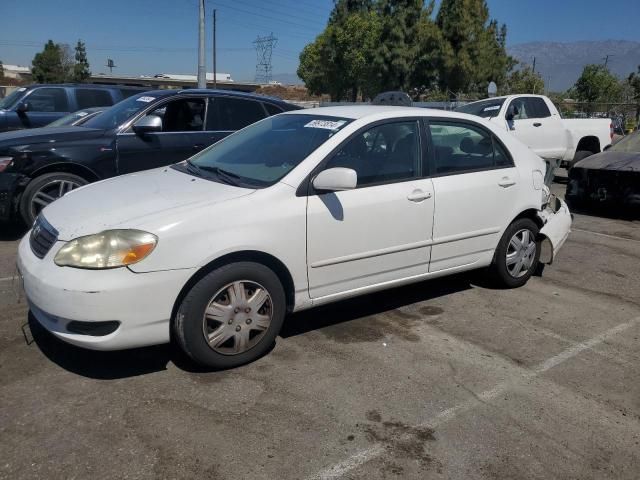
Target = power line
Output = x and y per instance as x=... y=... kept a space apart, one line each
x=296 y=18
x=264 y=51
x=268 y=17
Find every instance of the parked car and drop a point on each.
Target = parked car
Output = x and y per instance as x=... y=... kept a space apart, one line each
x=38 y=105
x=535 y=121
x=612 y=176
x=298 y=210
x=76 y=118
x=145 y=131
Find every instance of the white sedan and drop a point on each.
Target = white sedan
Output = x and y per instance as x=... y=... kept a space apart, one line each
x=298 y=210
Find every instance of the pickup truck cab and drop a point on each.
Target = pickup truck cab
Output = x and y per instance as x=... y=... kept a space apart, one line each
x=38 y=105
x=536 y=122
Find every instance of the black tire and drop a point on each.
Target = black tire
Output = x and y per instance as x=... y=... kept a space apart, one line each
x=499 y=269
x=188 y=323
x=579 y=155
x=39 y=184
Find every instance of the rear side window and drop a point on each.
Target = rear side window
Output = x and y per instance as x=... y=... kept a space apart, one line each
x=538 y=107
x=48 y=99
x=88 y=98
x=272 y=109
x=231 y=114
x=461 y=148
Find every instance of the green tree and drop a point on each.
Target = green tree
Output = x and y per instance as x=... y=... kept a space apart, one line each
x=47 y=65
x=523 y=80
x=395 y=55
x=81 y=70
x=597 y=84
x=430 y=49
x=474 y=52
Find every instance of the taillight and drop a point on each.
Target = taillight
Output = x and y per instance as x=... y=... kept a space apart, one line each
x=5 y=162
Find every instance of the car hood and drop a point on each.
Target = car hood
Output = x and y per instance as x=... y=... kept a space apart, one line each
x=153 y=200
x=620 y=161
x=30 y=136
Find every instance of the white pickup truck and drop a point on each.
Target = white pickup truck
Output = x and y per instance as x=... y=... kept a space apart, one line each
x=536 y=122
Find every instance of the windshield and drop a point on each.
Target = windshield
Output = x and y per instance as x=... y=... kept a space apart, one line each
x=8 y=101
x=120 y=112
x=483 y=108
x=629 y=144
x=264 y=152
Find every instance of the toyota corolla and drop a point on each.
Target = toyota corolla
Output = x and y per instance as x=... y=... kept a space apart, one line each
x=297 y=210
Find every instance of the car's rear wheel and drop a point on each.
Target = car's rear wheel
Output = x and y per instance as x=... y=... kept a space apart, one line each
x=517 y=255
x=231 y=316
x=45 y=189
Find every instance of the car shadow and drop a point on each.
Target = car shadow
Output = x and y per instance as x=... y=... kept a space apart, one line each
x=141 y=361
x=12 y=231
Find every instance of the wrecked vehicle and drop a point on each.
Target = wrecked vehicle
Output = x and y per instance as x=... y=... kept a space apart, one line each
x=298 y=210
x=612 y=176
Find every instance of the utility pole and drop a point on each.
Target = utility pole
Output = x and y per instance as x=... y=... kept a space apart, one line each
x=202 y=72
x=533 y=70
x=215 y=80
x=606 y=60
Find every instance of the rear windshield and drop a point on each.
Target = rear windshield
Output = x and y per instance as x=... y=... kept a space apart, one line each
x=629 y=144
x=483 y=108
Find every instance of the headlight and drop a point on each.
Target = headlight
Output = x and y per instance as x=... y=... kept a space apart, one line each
x=109 y=249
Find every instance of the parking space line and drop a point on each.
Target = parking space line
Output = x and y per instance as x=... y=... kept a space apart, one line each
x=6 y=279
x=363 y=456
x=615 y=237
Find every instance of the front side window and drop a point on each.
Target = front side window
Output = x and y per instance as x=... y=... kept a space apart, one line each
x=182 y=115
x=263 y=153
x=530 y=107
x=230 y=114
x=272 y=109
x=385 y=153
x=87 y=98
x=48 y=99
x=460 y=148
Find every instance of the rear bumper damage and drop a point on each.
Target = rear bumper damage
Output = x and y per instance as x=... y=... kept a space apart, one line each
x=557 y=219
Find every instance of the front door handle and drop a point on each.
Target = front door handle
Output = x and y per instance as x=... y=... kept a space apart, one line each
x=418 y=196
x=506 y=182
x=537 y=124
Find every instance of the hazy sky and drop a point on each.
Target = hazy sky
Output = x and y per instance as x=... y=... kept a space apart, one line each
x=153 y=36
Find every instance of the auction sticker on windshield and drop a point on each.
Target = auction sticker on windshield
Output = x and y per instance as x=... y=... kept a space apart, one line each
x=493 y=107
x=146 y=99
x=326 y=124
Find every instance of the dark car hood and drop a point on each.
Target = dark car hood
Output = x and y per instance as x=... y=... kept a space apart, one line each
x=32 y=136
x=621 y=161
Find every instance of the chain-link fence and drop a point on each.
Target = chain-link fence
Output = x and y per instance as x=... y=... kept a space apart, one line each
x=625 y=116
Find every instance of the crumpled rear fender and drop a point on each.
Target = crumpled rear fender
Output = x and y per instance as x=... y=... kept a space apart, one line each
x=557 y=221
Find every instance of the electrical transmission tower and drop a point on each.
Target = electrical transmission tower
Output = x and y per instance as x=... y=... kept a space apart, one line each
x=264 y=49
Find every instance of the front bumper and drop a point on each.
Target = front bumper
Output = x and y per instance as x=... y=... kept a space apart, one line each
x=557 y=221
x=141 y=303
x=10 y=184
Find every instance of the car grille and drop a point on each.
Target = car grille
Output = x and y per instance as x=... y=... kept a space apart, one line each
x=42 y=237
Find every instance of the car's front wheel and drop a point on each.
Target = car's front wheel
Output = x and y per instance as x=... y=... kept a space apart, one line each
x=518 y=253
x=43 y=190
x=231 y=316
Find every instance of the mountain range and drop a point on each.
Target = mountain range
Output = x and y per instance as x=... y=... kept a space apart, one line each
x=559 y=63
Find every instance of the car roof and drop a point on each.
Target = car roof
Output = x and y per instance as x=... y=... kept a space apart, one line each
x=85 y=85
x=213 y=91
x=355 y=112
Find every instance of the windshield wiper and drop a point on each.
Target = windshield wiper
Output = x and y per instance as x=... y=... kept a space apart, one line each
x=227 y=177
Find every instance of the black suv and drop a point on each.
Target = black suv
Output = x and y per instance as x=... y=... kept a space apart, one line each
x=37 y=105
x=148 y=130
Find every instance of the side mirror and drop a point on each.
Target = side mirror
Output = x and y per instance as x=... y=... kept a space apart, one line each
x=336 y=179
x=606 y=148
x=22 y=107
x=512 y=111
x=148 y=124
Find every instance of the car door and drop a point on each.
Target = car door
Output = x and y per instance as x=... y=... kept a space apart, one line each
x=182 y=118
x=476 y=188
x=44 y=105
x=381 y=230
x=535 y=126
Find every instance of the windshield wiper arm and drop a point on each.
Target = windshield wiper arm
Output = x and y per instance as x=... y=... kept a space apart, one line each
x=227 y=177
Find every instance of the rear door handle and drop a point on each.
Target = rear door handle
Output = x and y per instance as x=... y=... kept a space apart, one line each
x=506 y=182
x=537 y=124
x=418 y=196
